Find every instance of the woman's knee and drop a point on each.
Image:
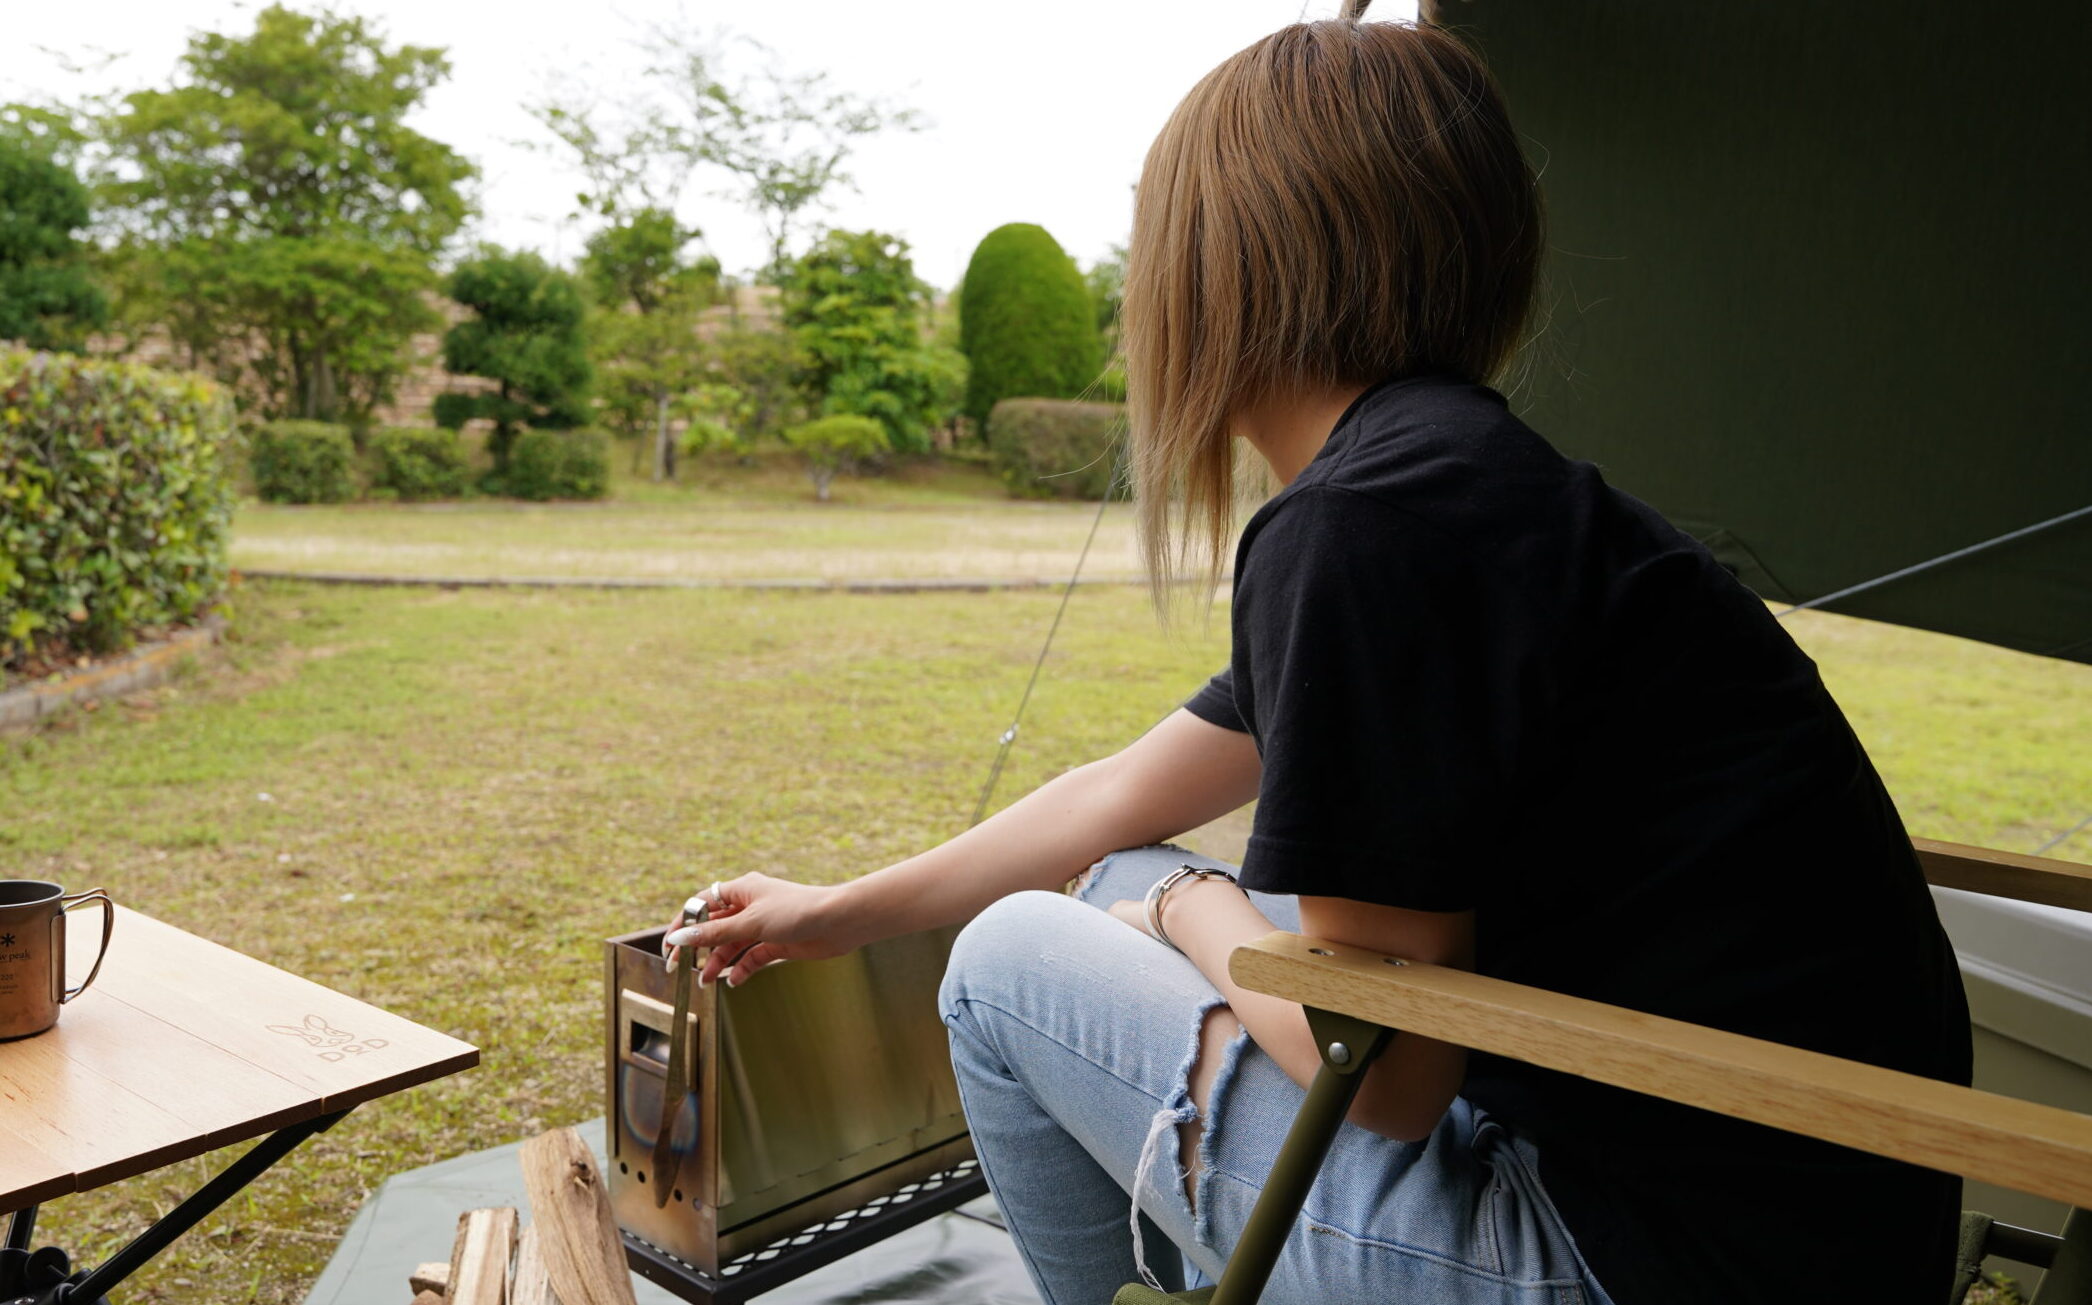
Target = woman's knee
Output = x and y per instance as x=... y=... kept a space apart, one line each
x=1005 y=948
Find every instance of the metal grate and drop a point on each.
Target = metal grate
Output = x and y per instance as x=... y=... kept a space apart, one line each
x=796 y=1254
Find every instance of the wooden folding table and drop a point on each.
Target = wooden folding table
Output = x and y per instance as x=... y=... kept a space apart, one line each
x=182 y=1047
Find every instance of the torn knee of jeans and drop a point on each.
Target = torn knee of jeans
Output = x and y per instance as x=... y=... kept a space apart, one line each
x=1080 y=884
x=1163 y=1139
x=1226 y=1059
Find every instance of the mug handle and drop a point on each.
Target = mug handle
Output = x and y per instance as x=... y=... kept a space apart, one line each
x=98 y=897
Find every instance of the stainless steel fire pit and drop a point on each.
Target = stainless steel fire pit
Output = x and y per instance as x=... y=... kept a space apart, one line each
x=822 y=1116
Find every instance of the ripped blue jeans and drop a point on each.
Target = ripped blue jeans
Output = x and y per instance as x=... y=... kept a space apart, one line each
x=1074 y=1037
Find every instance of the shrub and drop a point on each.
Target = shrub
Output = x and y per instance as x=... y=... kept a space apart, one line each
x=831 y=444
x=419 y=463
x=549 y=464
x=1027 y=323
x=1048 y=448
x=114 y=499
x=303 y=462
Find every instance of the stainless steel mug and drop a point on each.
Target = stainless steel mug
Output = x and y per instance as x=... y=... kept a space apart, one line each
x=32 y=952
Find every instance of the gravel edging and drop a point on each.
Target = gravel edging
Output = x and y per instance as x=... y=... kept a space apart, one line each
x=142 y=668
x=872 y=586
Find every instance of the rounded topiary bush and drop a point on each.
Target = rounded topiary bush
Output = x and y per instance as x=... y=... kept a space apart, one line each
x=303 y=462
x=549 y=464
x=418 y=463
x=1057 y=448
x=115 y=497
x=1027 y=324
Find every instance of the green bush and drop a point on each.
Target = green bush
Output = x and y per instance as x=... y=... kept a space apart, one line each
x=1027 y=323
x=114 y=500
x=549 y=464
x=303 y=462
x=1054 y=448
x=419 y=463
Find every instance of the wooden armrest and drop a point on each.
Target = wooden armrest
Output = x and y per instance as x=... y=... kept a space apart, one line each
x=2006 y=874
x=2012 y=1143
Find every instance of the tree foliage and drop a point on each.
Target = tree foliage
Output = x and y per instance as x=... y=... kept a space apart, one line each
x=643 y=335
x=274 y=199
x=1106 y=280
x=832 y=444
x=525 y=334
x=782 y=140
x=47 y=298
x=856 y=311
x=1027 y=322
x=764 y=366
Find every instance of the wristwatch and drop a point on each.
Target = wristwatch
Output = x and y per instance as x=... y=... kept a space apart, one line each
x=1161 y=889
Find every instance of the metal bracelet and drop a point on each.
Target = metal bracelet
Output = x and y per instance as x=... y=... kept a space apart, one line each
x=1162 y=886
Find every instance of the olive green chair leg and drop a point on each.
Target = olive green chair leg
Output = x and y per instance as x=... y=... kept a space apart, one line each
x=1348 y=1047
x=2068 y=1280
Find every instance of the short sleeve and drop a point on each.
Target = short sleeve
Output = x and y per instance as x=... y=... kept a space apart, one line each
x=1382 y=673
x=1214 y=703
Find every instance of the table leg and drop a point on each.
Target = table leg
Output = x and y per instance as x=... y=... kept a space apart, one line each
x=20 y=1228
x=90 y=1289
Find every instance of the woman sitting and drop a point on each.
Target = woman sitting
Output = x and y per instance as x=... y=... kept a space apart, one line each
x=1494 y=714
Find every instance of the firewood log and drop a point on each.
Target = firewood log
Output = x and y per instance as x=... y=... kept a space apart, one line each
x=479 y=1259
x=577 y=1237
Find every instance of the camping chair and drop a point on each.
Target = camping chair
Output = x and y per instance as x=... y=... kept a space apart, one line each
x=1356 y=998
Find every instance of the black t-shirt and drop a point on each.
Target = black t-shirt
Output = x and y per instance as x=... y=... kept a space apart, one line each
x=1482 y=679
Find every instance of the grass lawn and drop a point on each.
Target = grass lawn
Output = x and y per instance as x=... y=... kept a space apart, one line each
x=441 y=802
x=722 y=521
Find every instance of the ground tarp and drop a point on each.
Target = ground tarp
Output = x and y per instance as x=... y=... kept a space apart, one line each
x=952 y=1259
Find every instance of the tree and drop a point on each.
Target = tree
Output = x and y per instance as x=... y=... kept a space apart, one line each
x=856 y=310
x=1106 y=280
x=47 y=299
x=277 y=193
x=525 y=333
x=833 y=443
x=784 y=139
x=765 y=368
x=1027 y=323
x=649 y=293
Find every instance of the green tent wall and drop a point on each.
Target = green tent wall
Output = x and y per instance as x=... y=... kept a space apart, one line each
x=1818 y=287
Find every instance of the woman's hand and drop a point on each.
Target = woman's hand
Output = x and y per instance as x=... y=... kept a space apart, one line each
x=757 y=921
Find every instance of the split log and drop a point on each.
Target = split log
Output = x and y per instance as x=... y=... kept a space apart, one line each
x=479 y=1259
x=532 y=1283
x=427 y=1298
x=433 y=1278
x=577 y=1237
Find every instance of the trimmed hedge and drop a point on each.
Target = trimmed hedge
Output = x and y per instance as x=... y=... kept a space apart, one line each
x=419 y=463
x=549 y=464
x=1027 y=323
x=303 y=462
x=115 y=499
x=1057 y=448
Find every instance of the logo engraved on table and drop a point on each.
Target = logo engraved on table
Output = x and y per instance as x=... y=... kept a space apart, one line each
x=330 y=1043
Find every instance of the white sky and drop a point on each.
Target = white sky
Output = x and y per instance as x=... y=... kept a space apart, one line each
x=1038 y=112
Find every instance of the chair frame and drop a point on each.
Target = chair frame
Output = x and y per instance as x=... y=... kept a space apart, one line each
x=1355 y=999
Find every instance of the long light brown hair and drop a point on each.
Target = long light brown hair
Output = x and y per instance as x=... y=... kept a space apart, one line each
x=1340 y=203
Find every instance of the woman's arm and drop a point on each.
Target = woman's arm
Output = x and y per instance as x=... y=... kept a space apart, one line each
x=1407 y=1091
x=1177 y=776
